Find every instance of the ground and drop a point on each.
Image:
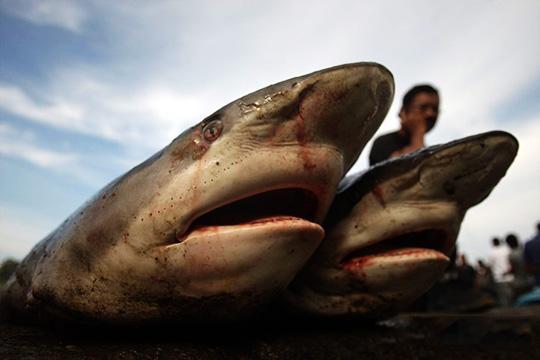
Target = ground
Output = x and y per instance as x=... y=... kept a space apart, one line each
x=499 y=334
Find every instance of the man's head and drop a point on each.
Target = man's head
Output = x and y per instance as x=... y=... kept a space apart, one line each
x=512 y=241
x=420 y=107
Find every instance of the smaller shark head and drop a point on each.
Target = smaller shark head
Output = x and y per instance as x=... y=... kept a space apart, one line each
x=391 y=229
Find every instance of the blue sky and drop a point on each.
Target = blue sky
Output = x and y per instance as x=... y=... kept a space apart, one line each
x=88 y=89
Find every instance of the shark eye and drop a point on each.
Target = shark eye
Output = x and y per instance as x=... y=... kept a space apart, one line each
x=212 y=130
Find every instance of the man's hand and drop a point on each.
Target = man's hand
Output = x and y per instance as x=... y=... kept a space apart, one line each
x=413 y=127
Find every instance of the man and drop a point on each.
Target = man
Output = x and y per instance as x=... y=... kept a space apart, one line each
x=522 y=282
x=418 y=114
x=531 y=255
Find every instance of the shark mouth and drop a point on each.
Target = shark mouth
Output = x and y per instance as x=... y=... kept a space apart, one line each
x=414 y=243
x=269 y=206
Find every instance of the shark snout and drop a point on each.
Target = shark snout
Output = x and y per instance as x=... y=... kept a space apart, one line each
x=344 y=106
x=467 y=170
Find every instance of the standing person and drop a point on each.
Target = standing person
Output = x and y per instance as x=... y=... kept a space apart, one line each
x=484 y=278
x=531 y=255
x=500 y=266
x=466 y=277
x=521 y=282
x=418 y=114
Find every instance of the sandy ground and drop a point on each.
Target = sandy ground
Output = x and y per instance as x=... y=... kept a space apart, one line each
x=500 y=334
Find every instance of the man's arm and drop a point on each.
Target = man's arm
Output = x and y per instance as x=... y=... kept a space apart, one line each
x=417 y=142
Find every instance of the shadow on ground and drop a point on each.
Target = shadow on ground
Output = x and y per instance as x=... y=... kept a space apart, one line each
x=500 y=334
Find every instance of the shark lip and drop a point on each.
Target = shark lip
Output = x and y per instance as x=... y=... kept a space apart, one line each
x=427 y=241
x=270 y=206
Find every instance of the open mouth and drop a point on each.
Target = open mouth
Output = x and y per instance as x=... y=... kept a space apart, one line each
x=417 y=241
x=274 y=205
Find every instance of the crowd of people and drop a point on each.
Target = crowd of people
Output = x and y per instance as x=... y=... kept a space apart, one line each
x=512 y=270
x=510 y=276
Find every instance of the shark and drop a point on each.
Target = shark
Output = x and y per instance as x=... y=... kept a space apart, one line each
x=219 y=221
x=391 y=229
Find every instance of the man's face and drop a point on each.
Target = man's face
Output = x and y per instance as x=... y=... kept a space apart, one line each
x=422 y=112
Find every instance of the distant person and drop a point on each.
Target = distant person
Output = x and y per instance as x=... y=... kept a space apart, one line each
x=521 y=281
x=484 y=278
x=531 y=255
x=418 y=114
x=466 y=274
x=499 y=261
x=500 y=267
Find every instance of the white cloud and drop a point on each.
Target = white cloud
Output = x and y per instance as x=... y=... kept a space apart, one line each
x=61 y=114
x=14 y=143
x=69 y=15
x=149 y=117
x=37 y=156
x=90 y=169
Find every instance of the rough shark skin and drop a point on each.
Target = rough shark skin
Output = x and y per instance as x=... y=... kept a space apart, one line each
x=391 y=228
x=218 y=221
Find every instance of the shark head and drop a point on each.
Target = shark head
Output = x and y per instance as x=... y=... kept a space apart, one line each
x=391 y=229
x=222 y=218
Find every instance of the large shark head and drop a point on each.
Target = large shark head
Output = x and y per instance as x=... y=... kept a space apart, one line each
x=391 y=229
x=220 y=219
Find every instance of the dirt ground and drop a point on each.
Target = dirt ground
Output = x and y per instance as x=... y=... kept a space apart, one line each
x=500 y=334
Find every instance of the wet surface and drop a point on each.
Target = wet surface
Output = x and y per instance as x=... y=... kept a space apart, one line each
x=500 y=334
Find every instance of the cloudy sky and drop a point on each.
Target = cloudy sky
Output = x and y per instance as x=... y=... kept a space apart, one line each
x=88 y=89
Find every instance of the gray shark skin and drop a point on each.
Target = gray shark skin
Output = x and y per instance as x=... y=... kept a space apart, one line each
x=220 y=220
x=391 y=228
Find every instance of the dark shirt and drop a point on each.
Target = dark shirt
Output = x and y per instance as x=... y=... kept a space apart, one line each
x=385 y=145
x=531 y=253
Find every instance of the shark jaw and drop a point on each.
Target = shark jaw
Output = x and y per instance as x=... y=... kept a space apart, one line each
x=378 y=268
x=269 y=207
x=421 y=235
